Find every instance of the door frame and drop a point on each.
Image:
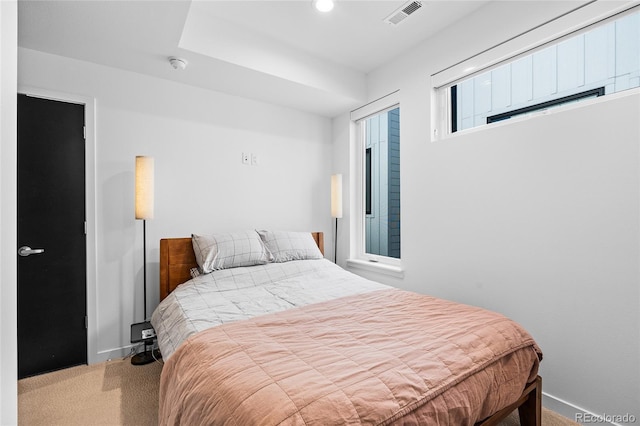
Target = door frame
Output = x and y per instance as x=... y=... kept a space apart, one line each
x=90 y=206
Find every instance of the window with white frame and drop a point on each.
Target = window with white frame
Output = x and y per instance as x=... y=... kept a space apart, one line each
x=378 y=222
x=601 y=60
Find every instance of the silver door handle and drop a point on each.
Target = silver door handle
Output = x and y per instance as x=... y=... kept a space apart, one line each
x=26 y=251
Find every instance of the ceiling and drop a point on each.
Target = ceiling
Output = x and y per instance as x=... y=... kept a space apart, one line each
x=282 y=52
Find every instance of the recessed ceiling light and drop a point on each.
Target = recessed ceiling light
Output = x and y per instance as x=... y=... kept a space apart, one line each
x=323 y=5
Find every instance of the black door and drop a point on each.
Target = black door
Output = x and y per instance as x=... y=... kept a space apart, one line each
x=52 y=330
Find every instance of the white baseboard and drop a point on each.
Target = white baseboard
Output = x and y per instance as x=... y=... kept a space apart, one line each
x=576 y=413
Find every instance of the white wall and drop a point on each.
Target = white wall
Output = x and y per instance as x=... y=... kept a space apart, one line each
x=8 y=245
x=197 y=138
x=537 y=218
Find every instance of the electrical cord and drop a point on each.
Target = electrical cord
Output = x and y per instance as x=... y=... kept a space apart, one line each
x=132 y=352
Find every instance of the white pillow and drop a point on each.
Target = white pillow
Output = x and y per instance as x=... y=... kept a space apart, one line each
x=229 y=250
x=285 y=246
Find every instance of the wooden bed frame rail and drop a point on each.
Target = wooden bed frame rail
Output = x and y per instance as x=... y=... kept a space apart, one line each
x=529 y=407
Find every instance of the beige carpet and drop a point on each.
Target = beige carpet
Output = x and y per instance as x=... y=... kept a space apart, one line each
x=111 y=393
x=118 y=393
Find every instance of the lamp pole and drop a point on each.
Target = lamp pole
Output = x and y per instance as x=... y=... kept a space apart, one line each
x=336 y=208
x=144 y=265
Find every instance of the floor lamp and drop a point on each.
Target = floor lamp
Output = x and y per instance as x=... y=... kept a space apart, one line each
x=336 y=208
x=144 y=211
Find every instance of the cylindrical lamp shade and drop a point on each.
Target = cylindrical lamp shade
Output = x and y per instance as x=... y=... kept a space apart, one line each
x=144 y=187
x=336 y=195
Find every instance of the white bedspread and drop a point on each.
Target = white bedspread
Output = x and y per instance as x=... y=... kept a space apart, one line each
x=241 y=293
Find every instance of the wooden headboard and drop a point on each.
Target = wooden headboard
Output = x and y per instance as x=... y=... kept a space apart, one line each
x=177 y=259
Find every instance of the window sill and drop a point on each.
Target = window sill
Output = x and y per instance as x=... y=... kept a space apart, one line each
x=380 y=268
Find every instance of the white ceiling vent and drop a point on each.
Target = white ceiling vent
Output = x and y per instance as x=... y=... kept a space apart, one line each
x=401 y=14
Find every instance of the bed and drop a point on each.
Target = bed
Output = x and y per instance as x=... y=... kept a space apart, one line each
x=302 y=341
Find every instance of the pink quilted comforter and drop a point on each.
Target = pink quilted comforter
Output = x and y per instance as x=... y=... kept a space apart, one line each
x=384 y=357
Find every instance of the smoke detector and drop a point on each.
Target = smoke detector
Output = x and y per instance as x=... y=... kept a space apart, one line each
x=403 y=12
x=178 y=63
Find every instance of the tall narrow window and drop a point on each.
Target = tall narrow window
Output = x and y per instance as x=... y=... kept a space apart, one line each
x=381 y=137
x=367 y=181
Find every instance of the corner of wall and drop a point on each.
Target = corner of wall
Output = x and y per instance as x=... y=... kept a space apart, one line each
x=8 y=218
